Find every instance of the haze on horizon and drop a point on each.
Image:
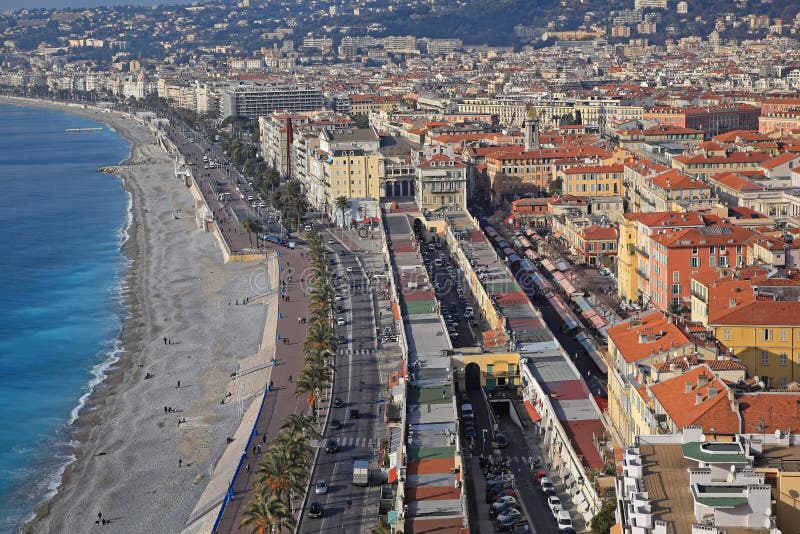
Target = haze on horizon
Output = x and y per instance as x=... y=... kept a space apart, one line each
x=16 y=5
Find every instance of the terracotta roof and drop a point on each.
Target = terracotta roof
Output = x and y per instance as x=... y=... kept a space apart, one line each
x=683 y=407
x=762 y=313
x=775 y=410
x=736 y=182
x=659 y=334
x=779 y=160
x=734 y=157
x=675 y=179
x=598 y=232
x=662 y=219
x=588 y=169
x=710 y=235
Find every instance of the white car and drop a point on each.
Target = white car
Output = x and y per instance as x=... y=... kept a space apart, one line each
x=563 y=520
x=555 y=504
x=321 y=488
x=349 y=269
x=546 y=484
x=340 y=321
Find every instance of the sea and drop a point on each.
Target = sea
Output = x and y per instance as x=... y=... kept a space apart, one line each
x=62 y=226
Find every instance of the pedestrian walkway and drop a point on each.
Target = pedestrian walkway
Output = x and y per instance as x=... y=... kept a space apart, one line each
x=282 y=400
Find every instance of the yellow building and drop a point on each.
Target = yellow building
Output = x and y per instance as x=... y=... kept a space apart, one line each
x=593 y=180
x=495 y=369
x=627 y=260
x=765 y=336
x=353 y=174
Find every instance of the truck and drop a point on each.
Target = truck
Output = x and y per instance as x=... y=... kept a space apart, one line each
x=360 y=473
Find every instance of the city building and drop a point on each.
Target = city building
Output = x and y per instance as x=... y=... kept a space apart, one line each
x=441 y=179
x=253 y=101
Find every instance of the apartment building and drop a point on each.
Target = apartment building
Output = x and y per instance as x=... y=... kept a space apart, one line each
x=531 y=171
x=253 y=101
x=593 y=180
x=441 y=179
x=650 y=189
x=712 y=120
x=689 y=483
x=592 y=238
x=633 y=251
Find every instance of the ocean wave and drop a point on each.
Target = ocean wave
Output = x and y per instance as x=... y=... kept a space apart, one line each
x=122 y=233
x=99 y=374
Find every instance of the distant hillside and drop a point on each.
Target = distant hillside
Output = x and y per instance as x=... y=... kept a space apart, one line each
x=492 y=21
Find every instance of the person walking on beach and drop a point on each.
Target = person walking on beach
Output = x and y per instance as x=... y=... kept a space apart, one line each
x=179 y=384
x=180 y=462
x=99 y=518
x=165 y=341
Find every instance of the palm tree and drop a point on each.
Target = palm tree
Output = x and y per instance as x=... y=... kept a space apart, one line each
x=264 y=513
x=320 y=337
x=279 y=474
x=247 y=226
x=381 y=528
x=341 y=205
x=297 y=425
x=312 y=379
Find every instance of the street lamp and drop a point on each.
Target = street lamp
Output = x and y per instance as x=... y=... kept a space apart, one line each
x=483 y=448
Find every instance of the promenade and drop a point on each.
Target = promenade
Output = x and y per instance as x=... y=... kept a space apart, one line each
x=282 y=401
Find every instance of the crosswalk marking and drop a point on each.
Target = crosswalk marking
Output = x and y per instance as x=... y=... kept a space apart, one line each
x=348 y=441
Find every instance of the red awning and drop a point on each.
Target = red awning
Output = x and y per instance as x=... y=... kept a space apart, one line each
x=535 y=417
x=392 y=475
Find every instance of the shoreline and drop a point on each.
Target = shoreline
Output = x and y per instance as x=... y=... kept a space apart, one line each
x=84 y=484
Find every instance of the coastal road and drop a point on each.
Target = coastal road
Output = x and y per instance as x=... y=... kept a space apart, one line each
x=357 y=384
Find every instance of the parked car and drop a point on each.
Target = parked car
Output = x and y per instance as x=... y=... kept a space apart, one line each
x=511 y=516
x=504 y=477
x=505 y=509
x=321 y=488
x=555 y=505
x=508 y=499
x=315 y=510
x=546 y=483
x=563 y=520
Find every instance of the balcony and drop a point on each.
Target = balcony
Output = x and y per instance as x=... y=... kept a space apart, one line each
x=643 y=274
x=642 y=252
x=697 y=295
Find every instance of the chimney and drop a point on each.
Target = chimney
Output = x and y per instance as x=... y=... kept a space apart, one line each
x=688 y=388
x=712 y=392
x=702 y=380
x=698 y=398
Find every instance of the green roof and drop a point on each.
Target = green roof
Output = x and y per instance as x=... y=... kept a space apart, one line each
x=698 y=451
x=430 y=453
x=418 y=307
x=709 y=496
x=431 y=395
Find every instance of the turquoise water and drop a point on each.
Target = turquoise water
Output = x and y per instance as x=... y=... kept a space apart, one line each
x=61 y=227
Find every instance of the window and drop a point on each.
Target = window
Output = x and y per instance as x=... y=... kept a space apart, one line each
x=676 y=289
x=784 y=334
x=738 y=249
x=489 y=370
x=676 y=276
x=694 y=251
x=764 y=357
x=695 y=262
x=726 y=334
x=766 y=334
x=713 y=250
x=783 y=359
x=783 y=382
x=723 y=261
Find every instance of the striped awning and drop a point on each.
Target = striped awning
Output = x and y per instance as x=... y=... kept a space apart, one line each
x=535 y=417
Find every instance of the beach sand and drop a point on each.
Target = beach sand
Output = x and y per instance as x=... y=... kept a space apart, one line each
x=128 y=453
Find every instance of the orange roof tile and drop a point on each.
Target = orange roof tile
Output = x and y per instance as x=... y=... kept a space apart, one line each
x=685 y=410
x=658 y=334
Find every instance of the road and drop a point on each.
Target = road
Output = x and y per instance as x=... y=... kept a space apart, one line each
x=357 y=383
x=533 y=503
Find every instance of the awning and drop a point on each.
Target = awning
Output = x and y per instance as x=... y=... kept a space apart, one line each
x=392 y=475
x=391 y=517
x=535 y=417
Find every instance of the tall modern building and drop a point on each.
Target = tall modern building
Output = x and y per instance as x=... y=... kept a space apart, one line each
x=252 y=101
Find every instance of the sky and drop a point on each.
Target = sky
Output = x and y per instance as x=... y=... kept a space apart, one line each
x=14 y=5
